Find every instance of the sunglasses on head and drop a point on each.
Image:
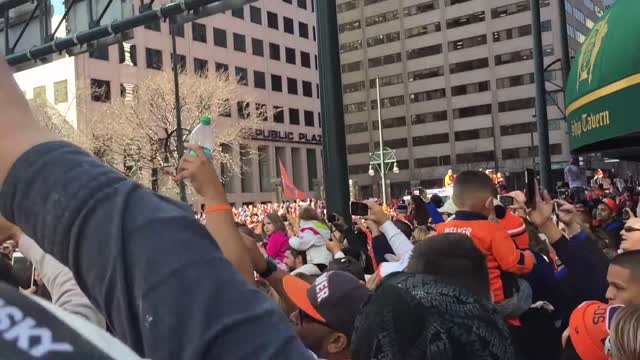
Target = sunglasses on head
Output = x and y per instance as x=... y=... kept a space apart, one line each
x=630 y=229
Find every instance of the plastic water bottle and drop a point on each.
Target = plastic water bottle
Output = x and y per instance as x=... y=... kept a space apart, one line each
x=202 y=136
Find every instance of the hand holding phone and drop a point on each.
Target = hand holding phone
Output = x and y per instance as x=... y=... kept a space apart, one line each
x=530 y=181
x=359 y=209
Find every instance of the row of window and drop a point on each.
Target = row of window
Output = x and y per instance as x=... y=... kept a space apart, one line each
x=576 y=34
x=302 y=4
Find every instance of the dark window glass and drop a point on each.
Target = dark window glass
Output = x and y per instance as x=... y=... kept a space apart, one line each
x=349 y=67
x=347 y=6
x=278 y=115
x=466 y=20
x=482 y=156
x=287 y=24
x=518 y=104
x=292 y=86
x=454 y=2
x=307 y=89
x=100 y=90
x=153 y=26
x=358 y=148
x=288 y=1
x=225 y=109
x=467 y=42
x=381 y=18
x=470 y=111
x=386 y=81
x=154 y=58
x=390 y=123
x=393 y=144
x=256 y=14
x=424 y=51
x=388 y=102
x=517 y=129
x=426 y=73
x=259 y=79
x=261 y=112
x=305 y=59
x=303 y=30
x=382 y=60
x=243 y=108
x=511 y=9
x=238 y=13
x=421 y=8
x=242 y=75
x=422 y=30
x=302 y=4
x=200 y=66
x=512 y=33
x=179 y=30
x=349 y=26
x=239 y=42
x=276 y=83
x=222 y=68
x=469 y=65
x=383 y=39
x=313 y=6
x=294 y=116
x=423 y=140
x=432 y=162
x=514 y=56
x=429 y=117
x=470 y=88
x=182 y=62
x=274 y=51
x=199 y=32
x=128 y=54
x=473 y=134
x=290 y=55
x=356 y=128
x=427 y=95
x=316 y=56
x=257 y=47
x=220 y=37
x=100 y=53
x=272 y=20
x=354 y=87
x=309 y=118
x=516 y=80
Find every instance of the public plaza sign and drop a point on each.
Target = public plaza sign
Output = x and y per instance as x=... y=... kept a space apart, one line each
x=603 y=88
x=287 y=136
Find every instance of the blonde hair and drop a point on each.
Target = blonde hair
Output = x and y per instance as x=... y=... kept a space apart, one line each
x=625 y=333
x=420 y=233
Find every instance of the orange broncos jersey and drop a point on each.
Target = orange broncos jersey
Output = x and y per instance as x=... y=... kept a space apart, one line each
x=504 y=260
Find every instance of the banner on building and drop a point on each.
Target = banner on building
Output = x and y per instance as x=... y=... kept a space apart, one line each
x=289 y=190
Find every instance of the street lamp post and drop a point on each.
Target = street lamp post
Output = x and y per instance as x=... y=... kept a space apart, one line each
x=383 y=161
x=176 y=85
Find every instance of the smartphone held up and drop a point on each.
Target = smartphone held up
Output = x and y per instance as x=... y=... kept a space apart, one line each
x=359 y=209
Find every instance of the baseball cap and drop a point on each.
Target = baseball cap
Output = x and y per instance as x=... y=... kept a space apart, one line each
x=349 y=265
x=334 y=298
x=588 y=329
x=611 y=204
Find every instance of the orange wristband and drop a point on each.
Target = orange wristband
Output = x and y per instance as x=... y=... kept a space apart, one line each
x=217 y=208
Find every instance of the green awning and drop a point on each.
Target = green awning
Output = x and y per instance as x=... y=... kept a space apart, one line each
x=603 y=88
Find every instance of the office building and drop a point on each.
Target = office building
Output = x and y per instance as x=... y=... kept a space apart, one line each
x=269 y=45
x=456 y=82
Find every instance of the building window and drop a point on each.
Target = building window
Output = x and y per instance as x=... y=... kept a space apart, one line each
x=153 y=26
x=469 y=19
x=255 y=13
x=60 y=94
x=468 y=42
x=243 y=108
x=356 y=107
x=383 y=39
x=426 y=73
x=287 y=24
x=288 y=1
x=516 y=80
x=100 y=53
x=454 y=2
x=515 y=56
x=423 y=140
x=316 y=57
x=128 y=54
x=430 y=117
x=384 y=60
x=239 y=42
x=261 y=112
x=381 y=18
x=388 y=102
x=427 y=95
x=353 y=87
x=305 y=59
x=199 y=32
x=387 y=81
x=474 y=134
x=222 y=68
x=292 y=86
x=470 y=111
x=433 y=161
x=309 y=118
x=290 y=55
x=294 y=116
x=274 y=51
x=395 y=122
x=257 y=47
x=350 y=26
x=513 y=33
x=307 y=89
x=469 y=65
x=511 y=9
x=475 y=157
x=589 y=23
x=272 y=20
x=259 y=80
x=422 y=30
x=302 y=4
x=393 y=144
x=420 y=8
x=303 y=30
x=200 y=66
x=351 y=46
x=178 y=28
x=128 y=91
x=154 y=58
x=424 y=51
x=518 y=104
x=238 y=12
x=348 y=6
x=225 y=108
x=357 y=148
x=473 y=88
x=219 y=37
x=182 y=62
x=100 y=90
x=371 y=2
x=40 y=93
x=242 y=75
x=276 y=83
x=517 y=129
x=356 y=128
x=278 y=115
x=355 y=66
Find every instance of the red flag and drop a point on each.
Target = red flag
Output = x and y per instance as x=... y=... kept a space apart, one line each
x=288 y=188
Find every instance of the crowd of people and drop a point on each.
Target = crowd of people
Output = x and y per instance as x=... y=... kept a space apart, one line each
x=131 y=274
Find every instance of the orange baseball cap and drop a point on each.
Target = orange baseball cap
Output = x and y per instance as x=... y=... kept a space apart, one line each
x=588 y=329
x=611 y=204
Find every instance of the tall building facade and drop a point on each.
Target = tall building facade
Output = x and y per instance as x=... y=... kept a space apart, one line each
x=270 y=46
x=456 y=82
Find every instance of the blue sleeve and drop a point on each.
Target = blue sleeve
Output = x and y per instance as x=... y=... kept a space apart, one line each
x=541 y=278
x=381 y=247
x=143 y=260
x=436 y=217
x=586 y=266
